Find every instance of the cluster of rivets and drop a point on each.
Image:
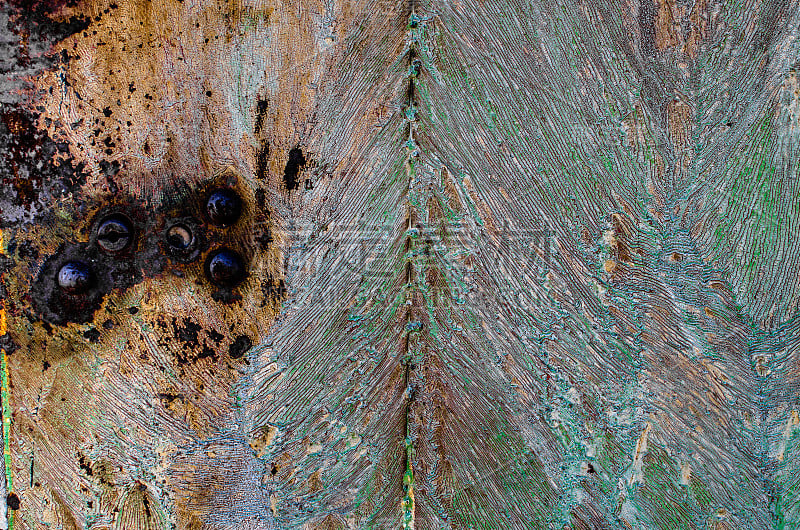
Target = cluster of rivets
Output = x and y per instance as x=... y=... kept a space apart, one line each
x=224 y=267
x=80 y=284
x=114 y=233
x=75 y=277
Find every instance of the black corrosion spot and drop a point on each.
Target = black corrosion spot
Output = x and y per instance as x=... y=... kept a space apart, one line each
x=35 y=168
x=262 y=161
x=293 y=165
x=27 y=252
x=12 y=501
x=262 y=157
x=416 y=67
x=274 y=288
x=214 y=336
x=85 y=465
x=239 y=346
x=92 y=335
x=145 y=502
x=114 y=233
x=188 y=332
x=225 y=268
x=261 y=113
x=223 y=207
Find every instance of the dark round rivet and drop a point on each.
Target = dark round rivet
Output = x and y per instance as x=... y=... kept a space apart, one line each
x=179 y=237
x=225 y=268
x=114 y=233
x=224 y=206
x=75 y=277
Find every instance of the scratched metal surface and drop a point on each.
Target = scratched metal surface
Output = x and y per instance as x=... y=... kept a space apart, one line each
x=510 y=264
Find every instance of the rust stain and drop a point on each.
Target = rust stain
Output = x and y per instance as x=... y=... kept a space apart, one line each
x=667 y=24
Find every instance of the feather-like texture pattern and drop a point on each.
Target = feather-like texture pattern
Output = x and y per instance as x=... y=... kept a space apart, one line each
x=510 y=264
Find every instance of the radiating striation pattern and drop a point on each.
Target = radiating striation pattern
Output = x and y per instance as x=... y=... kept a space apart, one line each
x=506 y=264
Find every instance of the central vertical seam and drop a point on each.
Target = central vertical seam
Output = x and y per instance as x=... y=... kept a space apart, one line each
x=407 y=504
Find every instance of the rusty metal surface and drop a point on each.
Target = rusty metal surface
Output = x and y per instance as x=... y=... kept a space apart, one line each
x=495 y=264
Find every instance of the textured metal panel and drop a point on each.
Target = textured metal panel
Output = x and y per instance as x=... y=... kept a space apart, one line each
x=509 y=264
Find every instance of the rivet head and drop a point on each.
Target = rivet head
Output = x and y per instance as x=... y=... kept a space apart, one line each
x=179 y=237
x=224 y=206
x=75 y=277
x=225 y=268
x=114 y=233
